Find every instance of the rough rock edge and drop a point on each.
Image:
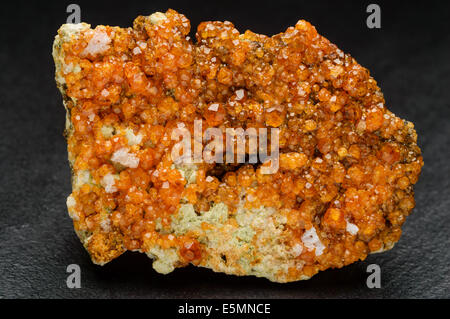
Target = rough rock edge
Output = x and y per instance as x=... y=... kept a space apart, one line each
x=66 y=33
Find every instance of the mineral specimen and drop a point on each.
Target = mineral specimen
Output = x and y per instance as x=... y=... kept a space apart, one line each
x=346 y=169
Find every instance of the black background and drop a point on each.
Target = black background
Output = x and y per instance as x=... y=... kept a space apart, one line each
x=409 y=57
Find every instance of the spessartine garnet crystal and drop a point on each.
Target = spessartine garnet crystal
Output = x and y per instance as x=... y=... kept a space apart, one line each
x=347 y=165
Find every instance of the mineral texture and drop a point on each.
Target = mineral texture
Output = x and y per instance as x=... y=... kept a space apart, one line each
x=347 y=165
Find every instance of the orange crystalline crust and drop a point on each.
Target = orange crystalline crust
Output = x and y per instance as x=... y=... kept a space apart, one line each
x=347 y=164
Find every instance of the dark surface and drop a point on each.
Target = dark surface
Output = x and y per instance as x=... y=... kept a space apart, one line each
x=409 y=57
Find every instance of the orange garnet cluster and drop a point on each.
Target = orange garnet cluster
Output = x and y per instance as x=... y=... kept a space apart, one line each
x=347 y=164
